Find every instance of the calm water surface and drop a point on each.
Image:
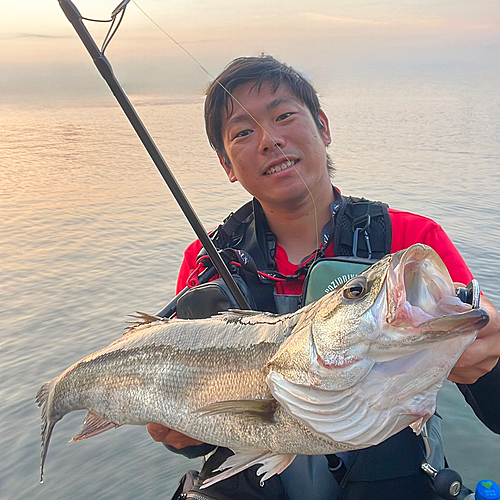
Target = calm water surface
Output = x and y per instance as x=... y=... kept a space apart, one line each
x=89 y=234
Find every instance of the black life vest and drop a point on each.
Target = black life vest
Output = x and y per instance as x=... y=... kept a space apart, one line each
x=362 y=228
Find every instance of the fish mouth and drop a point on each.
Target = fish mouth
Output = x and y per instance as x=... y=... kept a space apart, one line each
x=278 y=167
x=421 y=295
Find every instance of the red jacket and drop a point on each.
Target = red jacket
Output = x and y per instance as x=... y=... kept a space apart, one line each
x=407 y=229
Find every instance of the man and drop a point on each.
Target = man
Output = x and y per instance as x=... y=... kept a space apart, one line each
x=270 y=134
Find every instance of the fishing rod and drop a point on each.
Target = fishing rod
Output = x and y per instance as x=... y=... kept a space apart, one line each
x=106 y=71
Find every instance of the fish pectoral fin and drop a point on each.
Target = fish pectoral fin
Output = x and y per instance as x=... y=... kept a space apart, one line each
x=258 y=408
x=93 y=425
x=271 y=464
x=418 y=425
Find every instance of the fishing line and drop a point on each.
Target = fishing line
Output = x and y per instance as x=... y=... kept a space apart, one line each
x=244 y=109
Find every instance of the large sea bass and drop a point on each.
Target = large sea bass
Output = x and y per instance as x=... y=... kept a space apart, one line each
x=345 y=372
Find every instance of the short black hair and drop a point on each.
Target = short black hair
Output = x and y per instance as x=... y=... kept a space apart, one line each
x=260 y=70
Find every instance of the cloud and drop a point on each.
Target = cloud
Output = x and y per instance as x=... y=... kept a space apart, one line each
x=417 y=22
x=17 y=36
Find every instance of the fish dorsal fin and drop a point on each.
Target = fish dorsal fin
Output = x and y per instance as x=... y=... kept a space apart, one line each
x=246 y=312
x=93 y=425
x=286 y=321
x=142 y=319
x=271 y=464
x=262 y=409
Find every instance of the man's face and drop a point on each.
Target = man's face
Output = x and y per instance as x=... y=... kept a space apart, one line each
x=257 y=163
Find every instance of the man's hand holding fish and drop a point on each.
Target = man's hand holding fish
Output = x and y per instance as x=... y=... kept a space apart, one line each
x=482 y=355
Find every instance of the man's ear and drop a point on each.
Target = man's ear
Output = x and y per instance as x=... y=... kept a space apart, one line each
x=325 y=127
x=227 y=167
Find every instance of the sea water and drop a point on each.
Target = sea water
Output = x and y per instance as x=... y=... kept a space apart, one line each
x=89 y=234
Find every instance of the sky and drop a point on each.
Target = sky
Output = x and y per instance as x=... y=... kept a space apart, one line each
x=40 y=53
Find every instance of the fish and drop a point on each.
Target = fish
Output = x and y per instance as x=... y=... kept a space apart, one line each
x=345 y=372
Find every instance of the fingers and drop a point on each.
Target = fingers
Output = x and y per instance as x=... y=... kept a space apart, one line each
x=158 y=432
x=475 y=362
x=168 y=436
x=482 y=355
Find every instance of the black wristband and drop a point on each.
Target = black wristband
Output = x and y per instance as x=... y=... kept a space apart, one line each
x=194 y=451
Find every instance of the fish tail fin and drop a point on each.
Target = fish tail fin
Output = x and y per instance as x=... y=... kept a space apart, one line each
x=271 y=464
x=43 y=399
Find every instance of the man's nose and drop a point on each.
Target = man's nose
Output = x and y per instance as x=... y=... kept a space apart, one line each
x=270 y=142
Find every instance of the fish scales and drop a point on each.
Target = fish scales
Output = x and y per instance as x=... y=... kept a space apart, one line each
x=345 y=372
x=128 y=384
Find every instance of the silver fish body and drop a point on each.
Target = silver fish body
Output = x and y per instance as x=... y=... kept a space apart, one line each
x=345 y=372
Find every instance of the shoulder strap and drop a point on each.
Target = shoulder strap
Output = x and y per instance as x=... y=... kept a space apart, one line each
x=247 y=231
x=233 y=227
x=362 y=228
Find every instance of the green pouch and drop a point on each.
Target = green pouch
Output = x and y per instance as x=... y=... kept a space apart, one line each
x=327 y=274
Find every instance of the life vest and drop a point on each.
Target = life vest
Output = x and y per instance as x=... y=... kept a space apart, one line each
x=362 y=229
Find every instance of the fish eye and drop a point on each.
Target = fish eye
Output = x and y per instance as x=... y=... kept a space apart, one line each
x=356 y=288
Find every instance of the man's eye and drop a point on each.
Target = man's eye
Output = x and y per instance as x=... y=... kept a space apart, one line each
x=283 y=116
x=243 y=133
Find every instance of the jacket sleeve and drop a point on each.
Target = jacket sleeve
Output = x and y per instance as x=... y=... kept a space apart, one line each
x=408 y=229
x=188 y=264
x=484 y=398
